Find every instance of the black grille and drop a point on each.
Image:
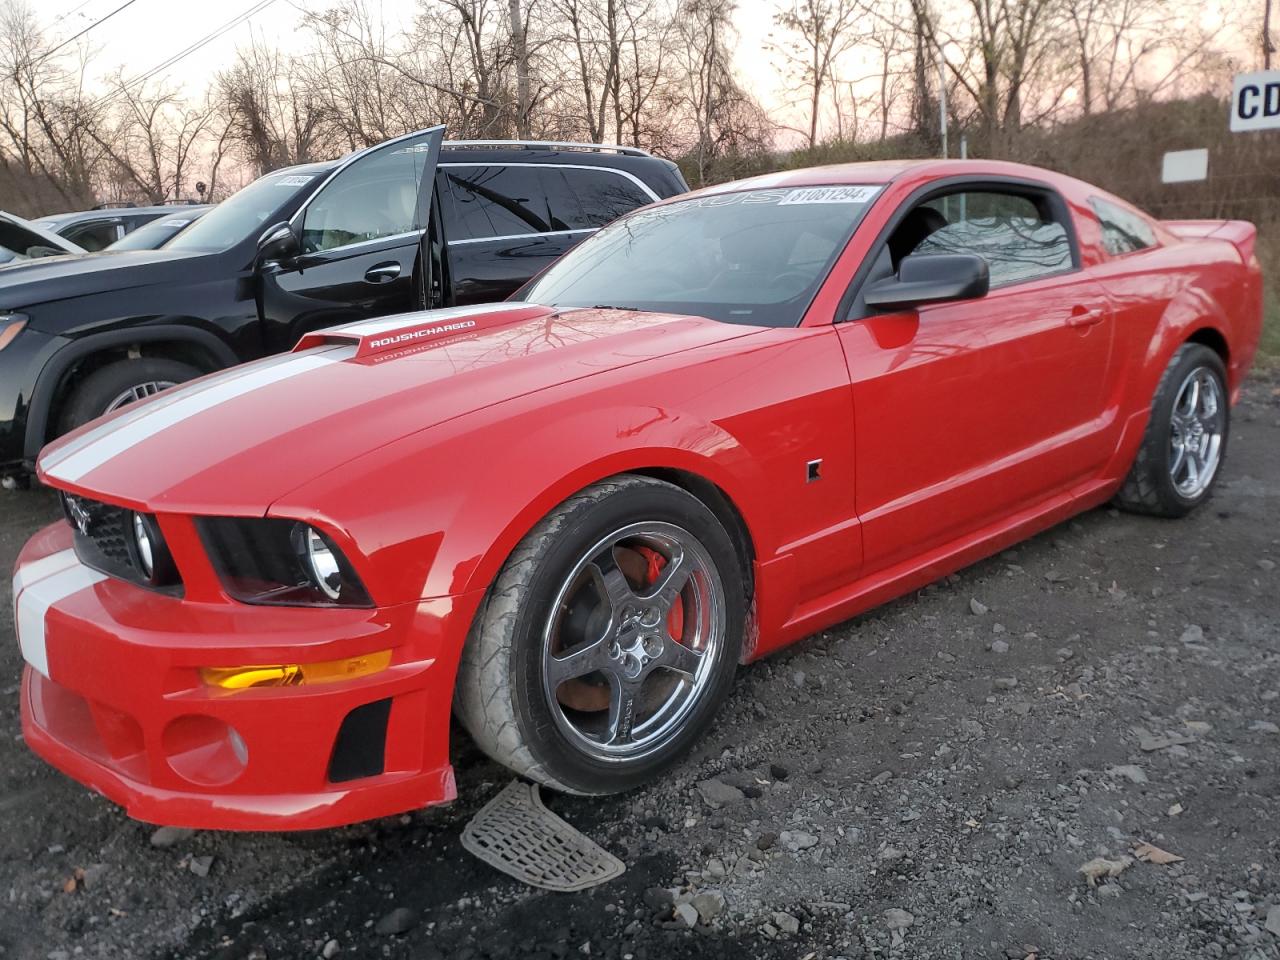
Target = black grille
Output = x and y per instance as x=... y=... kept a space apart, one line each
x=103 y=539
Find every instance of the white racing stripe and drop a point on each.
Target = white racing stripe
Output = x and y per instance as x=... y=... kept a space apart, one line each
x=158 y=402
x=31 y=572
x=33 y=603
x=116 y=439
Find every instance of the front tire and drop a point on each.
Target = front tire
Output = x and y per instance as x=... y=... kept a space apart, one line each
x=1186 y=438
x=118 y=384
x=608 y=641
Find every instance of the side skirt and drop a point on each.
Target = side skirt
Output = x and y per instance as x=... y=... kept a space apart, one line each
x=895 y=581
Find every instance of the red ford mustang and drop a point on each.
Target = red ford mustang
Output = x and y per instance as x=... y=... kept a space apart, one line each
x=722 y=423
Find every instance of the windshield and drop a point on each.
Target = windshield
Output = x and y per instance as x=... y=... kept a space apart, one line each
x=241 y=215
x=753 y=256
x=155 y=234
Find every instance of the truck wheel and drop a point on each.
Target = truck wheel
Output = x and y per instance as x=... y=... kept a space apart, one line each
x=1186 y=439
x=608 y=641
x=119 y=384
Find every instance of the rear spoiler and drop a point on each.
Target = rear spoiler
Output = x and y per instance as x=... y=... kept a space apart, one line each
x=422 y=328
x=1239 y=233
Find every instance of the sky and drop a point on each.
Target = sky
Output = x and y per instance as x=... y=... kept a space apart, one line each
x=147 y=32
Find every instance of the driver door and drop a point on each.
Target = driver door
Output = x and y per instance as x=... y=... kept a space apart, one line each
x=971 y=413
x=362 y=236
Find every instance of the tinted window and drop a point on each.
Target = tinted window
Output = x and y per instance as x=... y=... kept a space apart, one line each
x=1017 y=237
x=94 y=235
x=496 y=201
x=1122 y=231
x=18 y=243
x=374 y=197
x=244 y=214
x=602 y=197
x=754 y=257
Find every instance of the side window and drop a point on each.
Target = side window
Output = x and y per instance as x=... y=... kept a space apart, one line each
x=95 y=234
x=19 y=244
x=1019 y=236
x=375 y=197
x=1122 y=231
x=496 y=201
x=603 y=196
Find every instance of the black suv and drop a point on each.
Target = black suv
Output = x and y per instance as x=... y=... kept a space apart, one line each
x=408 y=224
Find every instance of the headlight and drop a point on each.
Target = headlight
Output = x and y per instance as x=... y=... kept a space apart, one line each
x=280 y=562
x=148 y=553
x=11 y=324
x=318 y=560
x=142 y=544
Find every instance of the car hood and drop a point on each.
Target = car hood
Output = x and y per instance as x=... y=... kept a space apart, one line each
x=48 y=279
x=234 y=442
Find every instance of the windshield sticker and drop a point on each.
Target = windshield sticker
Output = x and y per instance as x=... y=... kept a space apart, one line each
x=784 y=196
x=830 y=195
x=294 y=181
x=175 y=223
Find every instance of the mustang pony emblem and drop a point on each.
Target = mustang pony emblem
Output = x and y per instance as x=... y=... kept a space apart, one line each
x=79 y=515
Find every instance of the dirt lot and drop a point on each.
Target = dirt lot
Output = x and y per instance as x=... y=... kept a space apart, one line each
x=926 y=781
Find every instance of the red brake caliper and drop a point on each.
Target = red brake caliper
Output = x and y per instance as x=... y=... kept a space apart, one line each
x=656 y=561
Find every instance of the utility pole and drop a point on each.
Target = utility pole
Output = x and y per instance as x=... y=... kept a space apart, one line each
x=520 y=45
x=1267 y=49
x=942 y=99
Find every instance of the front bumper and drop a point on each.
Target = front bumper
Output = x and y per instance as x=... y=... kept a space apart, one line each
x=111 y=696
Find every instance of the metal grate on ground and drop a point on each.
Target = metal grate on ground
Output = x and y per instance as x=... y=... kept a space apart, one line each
x=516 y=834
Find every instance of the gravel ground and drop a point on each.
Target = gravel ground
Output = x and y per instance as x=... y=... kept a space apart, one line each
x=924 y=781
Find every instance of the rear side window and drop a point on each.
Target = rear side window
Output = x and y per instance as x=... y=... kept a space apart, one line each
x=511 y=201
x=496 y=201
x=1122 y=230
x=603 y=196
x=1019 y=237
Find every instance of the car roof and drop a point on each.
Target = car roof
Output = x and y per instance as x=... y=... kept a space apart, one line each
x=878 y=172
x=61 y=219
x=624 y=158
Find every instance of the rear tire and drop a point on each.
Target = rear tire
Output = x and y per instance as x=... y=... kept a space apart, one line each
x=118 y=384
x=593 y=663
x=1185 y=443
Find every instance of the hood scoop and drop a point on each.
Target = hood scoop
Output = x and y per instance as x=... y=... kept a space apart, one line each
x=422 y=328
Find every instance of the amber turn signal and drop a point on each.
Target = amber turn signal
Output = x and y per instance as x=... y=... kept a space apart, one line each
x=295 y=674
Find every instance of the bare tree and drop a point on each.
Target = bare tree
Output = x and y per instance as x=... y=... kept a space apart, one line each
x=822 y=33
x=726 y=122
x=275 y=120
x=45 y=113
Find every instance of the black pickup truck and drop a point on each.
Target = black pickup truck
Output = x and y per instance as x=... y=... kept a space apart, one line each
x=412 y=223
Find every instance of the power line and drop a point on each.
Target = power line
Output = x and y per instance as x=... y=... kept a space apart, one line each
x=72 y=12
x=96 y=23
x=208 y=38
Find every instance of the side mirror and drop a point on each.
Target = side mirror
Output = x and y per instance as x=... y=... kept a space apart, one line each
x=278 y=243
x=931 y=278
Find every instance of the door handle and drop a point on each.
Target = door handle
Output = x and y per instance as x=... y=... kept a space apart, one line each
x=1081 y=318
x=382 y=272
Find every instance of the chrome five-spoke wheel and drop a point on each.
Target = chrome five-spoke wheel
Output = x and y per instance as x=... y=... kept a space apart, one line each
x=1185 y=441
x=630 y=644
x=609 y=638
x=1195 y=435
